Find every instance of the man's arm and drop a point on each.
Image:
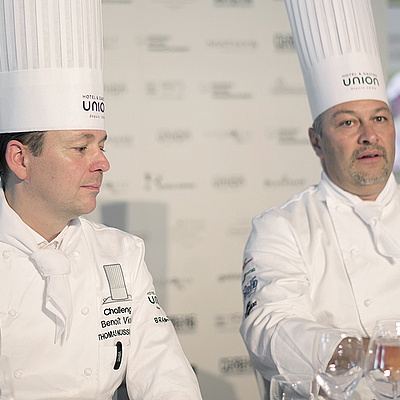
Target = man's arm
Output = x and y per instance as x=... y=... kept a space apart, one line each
x=157 y=367
x=278 y=325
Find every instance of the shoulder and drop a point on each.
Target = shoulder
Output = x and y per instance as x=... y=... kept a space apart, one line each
x=297 y=206
x=108 y=236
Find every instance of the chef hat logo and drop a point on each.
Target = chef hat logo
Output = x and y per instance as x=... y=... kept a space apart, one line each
x=338 y=51
x=51 y=58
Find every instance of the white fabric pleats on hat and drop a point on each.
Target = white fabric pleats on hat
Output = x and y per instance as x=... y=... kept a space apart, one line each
x=51 y=60
x=371 y=213
x=54 y=266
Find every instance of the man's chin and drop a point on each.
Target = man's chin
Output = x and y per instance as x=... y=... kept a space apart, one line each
x=368 y=179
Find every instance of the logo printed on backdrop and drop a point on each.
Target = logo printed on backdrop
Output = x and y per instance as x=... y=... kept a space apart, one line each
x=175 y=4
x=124 y=141
x=233 y=3
x=230 y=276
x=185 y=322
x=172 y=89
x=288 y=137
x=283 y=42
x=228 y=322
x=280 y=87
x=236 y=135
x=178 y=282
x=233 y=45
x=285 y=181
x=228 y=182
x=225 y=90
x=115 y=88
x=173 y=136
x=235 y=365
x=161 y=44
x=158 y=182
x=117 y=1
x=188 y=232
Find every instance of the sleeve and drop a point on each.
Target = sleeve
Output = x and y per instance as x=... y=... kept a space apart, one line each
x=157 y=367
x=278 y=326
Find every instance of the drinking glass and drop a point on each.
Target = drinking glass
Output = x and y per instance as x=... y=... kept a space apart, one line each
x=6 y=389
x=337 y=357
x=293 y=387
x=382 y=362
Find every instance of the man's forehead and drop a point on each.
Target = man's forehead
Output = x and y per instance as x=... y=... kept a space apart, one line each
x=72 y=135
x=357 y=107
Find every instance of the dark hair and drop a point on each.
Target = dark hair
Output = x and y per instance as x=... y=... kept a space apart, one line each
x=34 y=140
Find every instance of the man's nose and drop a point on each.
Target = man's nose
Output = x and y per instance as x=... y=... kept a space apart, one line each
x=367 y=135
x=100 y=163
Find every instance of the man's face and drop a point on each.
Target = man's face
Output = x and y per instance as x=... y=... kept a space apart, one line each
x=66 y=178
x=356 y=146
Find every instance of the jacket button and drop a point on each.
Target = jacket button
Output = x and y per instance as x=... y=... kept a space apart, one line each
x=339 y=209
x=368 y=302
x=12 y=313
x=85 y=311
x=18 y=374
x=87 y=371
x=354 y=251
x=6 y=255
x=76 y=254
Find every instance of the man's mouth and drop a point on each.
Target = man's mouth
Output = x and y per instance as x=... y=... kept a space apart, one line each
x=370 y=155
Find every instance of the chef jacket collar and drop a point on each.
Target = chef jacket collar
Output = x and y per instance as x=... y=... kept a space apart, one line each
x=42 y=243
x=17 y=233
x=370 y=212
x=57 y=295
x=331 y=189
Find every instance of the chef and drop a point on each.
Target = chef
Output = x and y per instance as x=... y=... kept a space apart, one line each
x=330 y=256
x=78 y=310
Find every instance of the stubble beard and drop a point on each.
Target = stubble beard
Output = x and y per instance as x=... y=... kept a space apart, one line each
x=364 y=178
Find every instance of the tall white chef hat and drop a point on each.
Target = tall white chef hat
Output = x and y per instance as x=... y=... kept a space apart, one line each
x=338 y=51
x=51 y=58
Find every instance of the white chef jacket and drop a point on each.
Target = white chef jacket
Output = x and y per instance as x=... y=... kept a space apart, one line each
x=310 y=264
x=108 y=316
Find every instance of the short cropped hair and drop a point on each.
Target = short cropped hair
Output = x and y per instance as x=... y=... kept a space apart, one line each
x=317 y=125
x=34 y=140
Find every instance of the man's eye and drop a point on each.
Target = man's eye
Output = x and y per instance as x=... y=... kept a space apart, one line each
x=347 y=123
x=380 y=119
x=81 y=149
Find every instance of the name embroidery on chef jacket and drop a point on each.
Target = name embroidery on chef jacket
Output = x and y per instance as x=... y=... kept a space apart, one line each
x=116 y=318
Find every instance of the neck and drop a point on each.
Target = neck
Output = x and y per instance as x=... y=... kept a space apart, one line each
x=42 y=223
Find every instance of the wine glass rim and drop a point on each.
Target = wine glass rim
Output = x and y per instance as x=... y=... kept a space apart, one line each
x=293 y=376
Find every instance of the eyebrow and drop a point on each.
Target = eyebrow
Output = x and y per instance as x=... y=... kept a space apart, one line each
x=87 y=135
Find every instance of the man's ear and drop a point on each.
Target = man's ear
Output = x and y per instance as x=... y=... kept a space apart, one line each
x=16 y=154
x=315 y=141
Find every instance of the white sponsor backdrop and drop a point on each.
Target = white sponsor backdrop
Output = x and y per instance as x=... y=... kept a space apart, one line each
x=207 y=120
